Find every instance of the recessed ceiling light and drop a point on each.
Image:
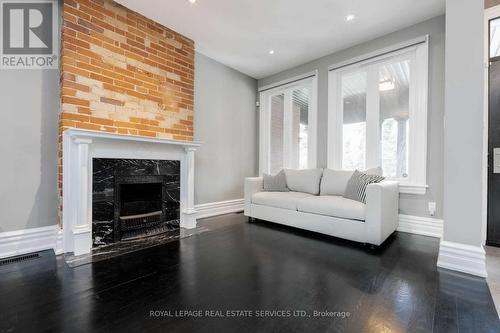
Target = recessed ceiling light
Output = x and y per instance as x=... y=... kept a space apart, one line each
x=271 y=51
x=192 y=1
x=349 y=17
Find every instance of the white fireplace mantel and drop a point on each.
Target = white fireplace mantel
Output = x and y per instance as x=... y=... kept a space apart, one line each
x=81 y=146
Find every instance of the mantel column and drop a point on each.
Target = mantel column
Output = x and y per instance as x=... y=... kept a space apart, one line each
x=189 y=220
x=82 y=230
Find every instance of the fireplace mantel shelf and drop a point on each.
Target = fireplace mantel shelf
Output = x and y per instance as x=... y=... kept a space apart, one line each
x=88 y=134
x=81 y=146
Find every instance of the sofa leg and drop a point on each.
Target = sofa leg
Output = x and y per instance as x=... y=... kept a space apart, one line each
x=250 y=219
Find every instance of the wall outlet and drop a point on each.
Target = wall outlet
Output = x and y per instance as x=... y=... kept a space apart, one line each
x=432 y=208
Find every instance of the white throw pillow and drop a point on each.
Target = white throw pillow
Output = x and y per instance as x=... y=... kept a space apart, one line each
x=306 y=180
x=334 y=182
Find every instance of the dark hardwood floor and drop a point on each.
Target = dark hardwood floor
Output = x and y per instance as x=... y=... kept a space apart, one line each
x=249 y=266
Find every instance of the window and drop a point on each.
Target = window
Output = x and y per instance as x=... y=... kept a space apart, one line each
x=288 y=126
x=378 y=115
x=494 y=38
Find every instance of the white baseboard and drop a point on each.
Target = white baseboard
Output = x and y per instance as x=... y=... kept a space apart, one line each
x=426 y=226
x=219 y=208
x=462 y=258
x=59 y=241
x=24 y=241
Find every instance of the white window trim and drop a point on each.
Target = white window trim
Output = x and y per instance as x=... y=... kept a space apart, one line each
x=417 y=48
x=265 y=120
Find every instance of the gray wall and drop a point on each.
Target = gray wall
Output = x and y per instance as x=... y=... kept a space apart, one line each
x=410 y=204
x=463 y=135
x=28 y=143
x=225 y=121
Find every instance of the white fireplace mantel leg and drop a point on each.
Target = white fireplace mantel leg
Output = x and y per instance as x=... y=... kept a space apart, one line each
x=82 y=230
x=189 y=213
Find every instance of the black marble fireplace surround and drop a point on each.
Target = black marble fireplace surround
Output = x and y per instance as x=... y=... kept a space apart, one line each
x=134 y=198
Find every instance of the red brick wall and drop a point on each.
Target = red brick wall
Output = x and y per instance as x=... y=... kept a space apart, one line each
x=123 y=73
x=491 y=3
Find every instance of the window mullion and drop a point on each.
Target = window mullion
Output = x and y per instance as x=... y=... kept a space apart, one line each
x=312 y=125
x=264 y=140
x=337 y=121
x=268 y=133
x=372 y=118
x=288 y=129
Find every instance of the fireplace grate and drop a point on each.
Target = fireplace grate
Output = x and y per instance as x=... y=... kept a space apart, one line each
x=12 y=260
x=147 y=232
x=140 y=221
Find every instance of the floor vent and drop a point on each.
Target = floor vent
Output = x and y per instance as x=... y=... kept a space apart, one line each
x=12 y=260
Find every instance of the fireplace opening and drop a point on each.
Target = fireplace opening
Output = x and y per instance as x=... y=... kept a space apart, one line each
x=134 y=199
x=141 y=211
x=140 y=206
x=140 y=199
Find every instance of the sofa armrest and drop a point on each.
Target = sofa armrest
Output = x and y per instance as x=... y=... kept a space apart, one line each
x=382 y=210
x=252 y=185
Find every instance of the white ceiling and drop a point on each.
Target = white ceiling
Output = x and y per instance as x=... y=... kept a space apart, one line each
x=240 y=33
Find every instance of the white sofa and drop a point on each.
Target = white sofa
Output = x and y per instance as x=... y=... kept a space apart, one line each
x=316 y=204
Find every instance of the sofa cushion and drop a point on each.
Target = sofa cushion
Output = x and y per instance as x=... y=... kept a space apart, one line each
x=305 y=180
x=286 y=200
x=330 y=205
x=374 y=171
x=334 y=182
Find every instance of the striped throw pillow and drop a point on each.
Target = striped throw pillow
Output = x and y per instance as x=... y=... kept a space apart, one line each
x=356 y=186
